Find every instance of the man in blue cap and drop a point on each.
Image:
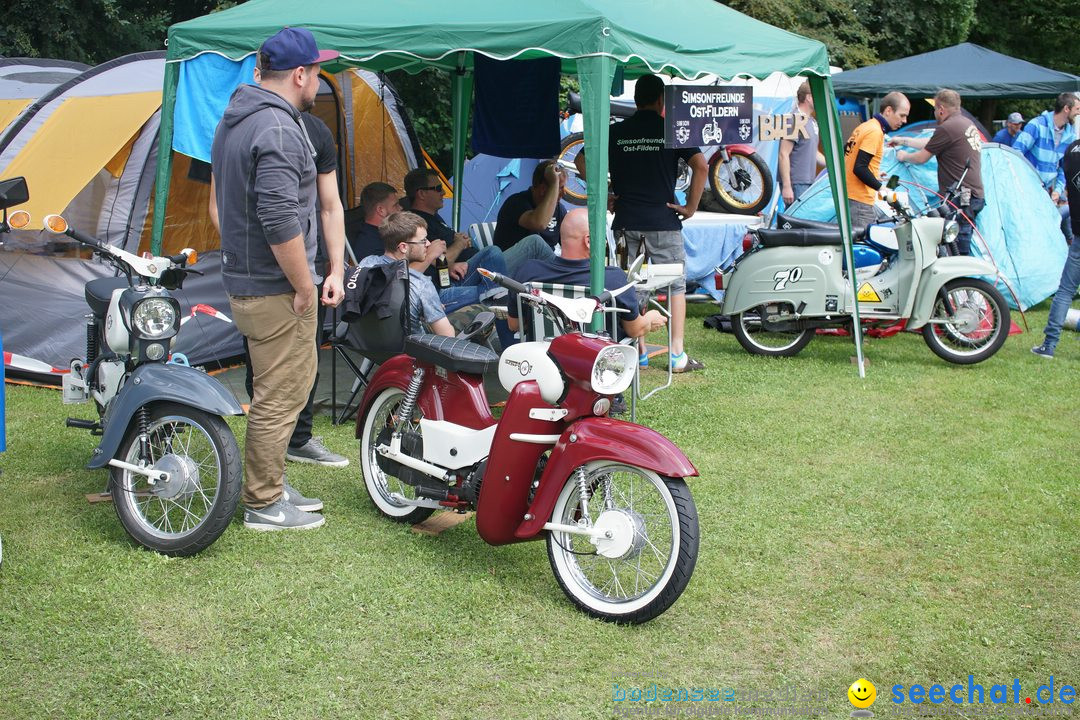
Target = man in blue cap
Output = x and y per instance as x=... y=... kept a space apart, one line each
x=264 y=193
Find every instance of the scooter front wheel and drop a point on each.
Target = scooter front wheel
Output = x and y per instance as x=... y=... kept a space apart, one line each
x=388 y=493
x=758 y=338
x=976 y=329
x=191 y=510
x=644 y=562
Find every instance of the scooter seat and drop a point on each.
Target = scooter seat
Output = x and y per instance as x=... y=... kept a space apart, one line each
x=799 y=237
x=790 y=222
x=454 y=354
x=99 y=292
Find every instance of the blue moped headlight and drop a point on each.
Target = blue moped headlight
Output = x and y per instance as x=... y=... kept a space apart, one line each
x=155 y=318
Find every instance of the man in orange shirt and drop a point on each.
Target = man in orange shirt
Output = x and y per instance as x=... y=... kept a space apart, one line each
x=862 y=156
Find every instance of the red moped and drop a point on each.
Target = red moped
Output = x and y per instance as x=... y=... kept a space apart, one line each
x=607 y=495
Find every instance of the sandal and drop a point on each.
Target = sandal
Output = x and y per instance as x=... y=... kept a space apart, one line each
x=682 y=363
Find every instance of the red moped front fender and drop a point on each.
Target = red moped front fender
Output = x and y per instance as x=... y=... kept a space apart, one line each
x=600 y=438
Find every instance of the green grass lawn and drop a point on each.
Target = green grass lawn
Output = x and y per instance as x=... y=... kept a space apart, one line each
x=915 y=527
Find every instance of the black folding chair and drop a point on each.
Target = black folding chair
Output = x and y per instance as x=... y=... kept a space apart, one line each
x=375 y=339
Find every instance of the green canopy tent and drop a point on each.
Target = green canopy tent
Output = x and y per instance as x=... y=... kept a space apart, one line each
x=593 y=39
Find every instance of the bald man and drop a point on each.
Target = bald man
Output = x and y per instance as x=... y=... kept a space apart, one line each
x=573 y=269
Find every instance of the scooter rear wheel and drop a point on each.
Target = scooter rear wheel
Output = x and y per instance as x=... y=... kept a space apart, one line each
x=977 y=328
x=645 y=565
x=386 y=491
x=189 y=512
x=759 y=340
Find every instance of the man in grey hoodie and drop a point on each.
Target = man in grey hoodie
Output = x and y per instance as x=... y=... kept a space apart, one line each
x=263 y=203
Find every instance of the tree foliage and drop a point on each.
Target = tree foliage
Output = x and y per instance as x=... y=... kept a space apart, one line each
x=1043 y=32
x=901 y=28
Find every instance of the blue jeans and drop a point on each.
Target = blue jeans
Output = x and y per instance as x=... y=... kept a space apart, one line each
x=1070 y=280
x=530 y=247
x=469 y=289
x=1066 y=223
x=963 y=239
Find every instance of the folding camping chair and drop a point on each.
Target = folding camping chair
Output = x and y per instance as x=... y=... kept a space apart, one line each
x=482 y=234
x=376 y=339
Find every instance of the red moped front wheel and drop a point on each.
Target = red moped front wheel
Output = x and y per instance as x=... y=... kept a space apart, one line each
x=646 y=555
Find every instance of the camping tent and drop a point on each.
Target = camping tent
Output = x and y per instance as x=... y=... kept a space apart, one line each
x=592 y=38
x=24 y=80
x=88 y=148
x=969 y=69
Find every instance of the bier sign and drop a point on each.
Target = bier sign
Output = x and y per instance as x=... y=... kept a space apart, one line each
x=699 y=115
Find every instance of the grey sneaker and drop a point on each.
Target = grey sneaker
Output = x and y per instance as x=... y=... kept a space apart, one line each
x=280 y=516
x=313 y=451
x=298 y=501
x=1043 y=351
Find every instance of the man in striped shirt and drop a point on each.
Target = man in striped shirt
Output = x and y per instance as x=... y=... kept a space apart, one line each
x=1043 y=141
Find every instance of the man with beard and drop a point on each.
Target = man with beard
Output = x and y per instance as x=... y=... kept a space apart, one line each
x=264 y=186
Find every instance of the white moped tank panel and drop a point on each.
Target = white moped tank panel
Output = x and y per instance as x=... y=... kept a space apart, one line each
x=455 y=446
x=530 y=361
x=883 y=237
x=109 y=375
x=116 y=334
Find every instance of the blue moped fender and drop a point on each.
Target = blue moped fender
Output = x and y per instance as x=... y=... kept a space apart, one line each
x=601 y=438
x=160 y=383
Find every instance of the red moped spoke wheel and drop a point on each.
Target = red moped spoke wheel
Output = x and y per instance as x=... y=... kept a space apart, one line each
x=388 y=493
x=743 y=184
x=648 y=556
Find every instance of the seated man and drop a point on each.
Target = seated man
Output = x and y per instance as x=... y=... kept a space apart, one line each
x=377 y=202
x=573 y=269
x=424 y=192
x=535 y=211
x=404 y=237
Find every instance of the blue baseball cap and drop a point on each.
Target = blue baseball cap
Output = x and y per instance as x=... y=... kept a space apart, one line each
x=294 y=47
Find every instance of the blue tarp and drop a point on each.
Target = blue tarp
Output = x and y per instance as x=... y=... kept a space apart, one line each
x=206 y=84
x=1020 y=226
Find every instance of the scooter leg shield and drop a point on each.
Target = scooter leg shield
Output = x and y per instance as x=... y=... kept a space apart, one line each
x=600 y=438
x=160 y=383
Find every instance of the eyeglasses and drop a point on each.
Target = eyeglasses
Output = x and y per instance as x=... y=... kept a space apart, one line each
x=434 y=188
x=425 y=241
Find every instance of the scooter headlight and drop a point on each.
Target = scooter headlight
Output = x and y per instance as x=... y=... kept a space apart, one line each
x=952 y=230
x=613 y=369
x=155 y=318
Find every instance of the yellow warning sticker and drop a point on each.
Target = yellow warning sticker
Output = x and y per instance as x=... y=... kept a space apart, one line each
x=868 y=294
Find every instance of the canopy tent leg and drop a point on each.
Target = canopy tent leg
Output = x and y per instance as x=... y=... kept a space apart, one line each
x=164 y=165
x=832 y=143
x=461 y=98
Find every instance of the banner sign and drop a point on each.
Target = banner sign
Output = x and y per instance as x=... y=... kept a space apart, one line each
x=699 y=115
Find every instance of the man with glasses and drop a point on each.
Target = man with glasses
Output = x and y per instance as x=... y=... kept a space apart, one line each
x=404 y=237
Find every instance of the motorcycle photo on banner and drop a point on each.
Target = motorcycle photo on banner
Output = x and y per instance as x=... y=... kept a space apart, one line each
x=740 y=179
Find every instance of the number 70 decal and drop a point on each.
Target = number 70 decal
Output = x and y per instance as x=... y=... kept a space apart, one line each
x=783 y=277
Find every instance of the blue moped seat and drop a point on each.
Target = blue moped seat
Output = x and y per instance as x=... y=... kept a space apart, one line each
x=454 y=354
x=800 y=237
x=99 y=293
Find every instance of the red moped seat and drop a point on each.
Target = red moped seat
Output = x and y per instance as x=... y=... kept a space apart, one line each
x=454 y=354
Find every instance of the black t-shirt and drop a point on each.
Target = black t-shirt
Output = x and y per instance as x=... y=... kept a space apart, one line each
x=364 y=240
x=1071 y=165
x=643 y=173
x=437 y=229
x=507 y=230
x=325 y=161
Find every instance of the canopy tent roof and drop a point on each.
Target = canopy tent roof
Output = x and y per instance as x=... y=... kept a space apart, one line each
x=687 y=38
x=971 y=70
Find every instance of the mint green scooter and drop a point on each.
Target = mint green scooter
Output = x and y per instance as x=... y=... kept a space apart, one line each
x=794 y=281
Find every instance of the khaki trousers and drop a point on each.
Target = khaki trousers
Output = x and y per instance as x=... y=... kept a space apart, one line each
x=281 y=346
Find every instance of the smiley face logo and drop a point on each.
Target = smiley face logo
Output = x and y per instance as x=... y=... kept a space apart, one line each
x=862 y=693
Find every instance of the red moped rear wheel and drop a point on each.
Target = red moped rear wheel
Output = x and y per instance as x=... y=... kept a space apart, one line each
x=388 y=493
